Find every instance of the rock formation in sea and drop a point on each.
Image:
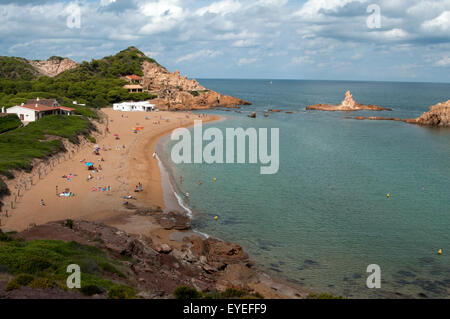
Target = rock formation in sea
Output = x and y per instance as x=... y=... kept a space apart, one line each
x=348 y=105
x=176 y=92
x=439 y=115
x=53 y=66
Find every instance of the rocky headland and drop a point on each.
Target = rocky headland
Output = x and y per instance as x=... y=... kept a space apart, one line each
x=176 y=92
x=438 y=116
x=348 y=105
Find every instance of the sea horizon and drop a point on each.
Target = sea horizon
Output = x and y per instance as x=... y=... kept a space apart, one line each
x=320 y=80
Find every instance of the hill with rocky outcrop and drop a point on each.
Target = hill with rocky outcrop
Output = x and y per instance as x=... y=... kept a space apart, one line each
x=53 y=66
x=176 y=92
x=14 y=68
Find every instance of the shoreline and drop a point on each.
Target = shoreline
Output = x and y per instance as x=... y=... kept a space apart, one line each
x=174 y=197
x=123 y=168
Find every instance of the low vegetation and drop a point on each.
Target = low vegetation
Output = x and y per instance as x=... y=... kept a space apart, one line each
x=43 y=264
x=9 y=122
x=37 y=140
x=188 y=293
x=16 y=69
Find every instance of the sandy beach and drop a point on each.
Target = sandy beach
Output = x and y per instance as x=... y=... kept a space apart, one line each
x=127 y=161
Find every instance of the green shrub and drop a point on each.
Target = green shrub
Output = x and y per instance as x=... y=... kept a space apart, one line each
x=121 y=292
x=19 y=281
x=9 y=122
x=233 y=293
x=90 y=290
x=69 y=223
x=91 y=139
x=5 y=237
x=40 y=283
x=187 y=293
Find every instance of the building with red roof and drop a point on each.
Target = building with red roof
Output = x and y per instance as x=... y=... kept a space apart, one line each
x=34 y=112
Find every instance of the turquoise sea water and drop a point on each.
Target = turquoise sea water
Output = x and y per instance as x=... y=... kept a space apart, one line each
x=324 y=217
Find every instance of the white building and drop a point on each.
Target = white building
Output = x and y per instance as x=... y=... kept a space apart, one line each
x=32 y=113
x=134 y=107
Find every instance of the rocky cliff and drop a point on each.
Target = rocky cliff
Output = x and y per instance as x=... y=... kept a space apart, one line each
x=176 y=92
x=53 y=66
x=348 y=105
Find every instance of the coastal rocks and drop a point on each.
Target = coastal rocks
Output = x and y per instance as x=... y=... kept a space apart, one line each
x=175 y=92
x=53 y=66
x=218 y=254
x=274 y=111
x=163 y=249
x=377 y=118
x=439 y=115
x=169 y=221
x=348 y=105
x=175 y=220
x=252 y=115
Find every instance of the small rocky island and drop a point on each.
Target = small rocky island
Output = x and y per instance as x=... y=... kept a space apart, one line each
x=439 y=116
x=348 y=105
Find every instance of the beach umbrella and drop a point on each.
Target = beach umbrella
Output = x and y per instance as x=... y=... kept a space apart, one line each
x=116 y=134
x=89 y=164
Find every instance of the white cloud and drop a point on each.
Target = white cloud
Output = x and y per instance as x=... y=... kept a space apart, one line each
x=163 y=16
x=440 y=23
x=312 y=9
x=220 y=7
x=243 y=61
x=198 y=54
x=445 y=61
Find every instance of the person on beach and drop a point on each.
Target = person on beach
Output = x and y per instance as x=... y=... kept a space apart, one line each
x=181 y=179
x=140 y=187
x=42 y=202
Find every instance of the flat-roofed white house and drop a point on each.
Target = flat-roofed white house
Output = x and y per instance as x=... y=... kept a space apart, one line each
x=34 y=112
x=134 y=107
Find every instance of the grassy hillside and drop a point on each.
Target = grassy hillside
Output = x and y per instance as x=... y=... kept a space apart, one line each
x=16 y=69
x=19 y=147
x=9 y=122
x=43 y=264
x=94 y=83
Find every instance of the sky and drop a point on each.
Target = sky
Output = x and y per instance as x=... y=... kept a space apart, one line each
x=379 y=40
